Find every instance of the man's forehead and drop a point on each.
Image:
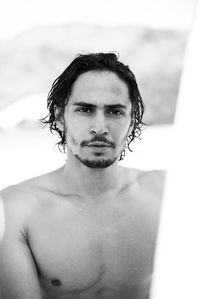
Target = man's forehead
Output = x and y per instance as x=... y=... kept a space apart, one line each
x=99 y=87
x=94 y=81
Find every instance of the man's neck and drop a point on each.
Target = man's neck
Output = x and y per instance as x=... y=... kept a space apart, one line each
x=86 y=181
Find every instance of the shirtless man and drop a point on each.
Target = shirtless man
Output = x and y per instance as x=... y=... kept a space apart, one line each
x=88 y=229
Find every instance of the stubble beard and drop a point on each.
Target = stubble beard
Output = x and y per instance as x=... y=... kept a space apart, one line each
x=97 y=164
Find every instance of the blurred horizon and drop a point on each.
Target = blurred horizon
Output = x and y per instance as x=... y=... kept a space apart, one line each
x=34 y=59
x=41 y=37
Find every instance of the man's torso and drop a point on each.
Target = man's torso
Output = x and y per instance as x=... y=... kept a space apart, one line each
x=101 y=248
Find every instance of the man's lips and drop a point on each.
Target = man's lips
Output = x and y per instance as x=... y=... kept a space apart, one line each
x=98 y=144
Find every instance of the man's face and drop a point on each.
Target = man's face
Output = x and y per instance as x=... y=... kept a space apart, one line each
x=97 y=118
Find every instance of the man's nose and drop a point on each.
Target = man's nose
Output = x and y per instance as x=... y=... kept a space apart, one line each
x=99 y=125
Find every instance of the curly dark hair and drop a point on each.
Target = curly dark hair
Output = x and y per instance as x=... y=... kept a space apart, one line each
x=61 y=89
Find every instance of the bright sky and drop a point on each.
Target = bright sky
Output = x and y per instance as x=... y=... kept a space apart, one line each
x=20 y=15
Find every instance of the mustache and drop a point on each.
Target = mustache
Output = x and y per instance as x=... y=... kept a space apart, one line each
x=97 y=139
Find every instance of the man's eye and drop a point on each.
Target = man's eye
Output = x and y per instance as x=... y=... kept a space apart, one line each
x=84 y=110
x=115 y=112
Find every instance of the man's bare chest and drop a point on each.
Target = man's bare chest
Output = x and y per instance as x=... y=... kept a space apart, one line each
x=81 y=248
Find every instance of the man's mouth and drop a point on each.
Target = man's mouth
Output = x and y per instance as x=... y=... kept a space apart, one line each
x=98 y=144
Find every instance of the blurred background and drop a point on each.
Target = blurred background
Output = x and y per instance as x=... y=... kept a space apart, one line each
x=38 y=39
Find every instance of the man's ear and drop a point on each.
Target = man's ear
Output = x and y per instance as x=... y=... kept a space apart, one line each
x=59 y=118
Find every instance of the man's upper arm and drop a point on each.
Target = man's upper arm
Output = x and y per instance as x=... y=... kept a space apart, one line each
x=18 y=273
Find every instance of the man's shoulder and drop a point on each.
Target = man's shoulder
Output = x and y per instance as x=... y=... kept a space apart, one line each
x=22 y=196
x=23 y=202
x=155 y=176
x=30 y=193
x=140 y=174
x=28 y=189
x=17 y=198
x=19 y=190
x=149 y=180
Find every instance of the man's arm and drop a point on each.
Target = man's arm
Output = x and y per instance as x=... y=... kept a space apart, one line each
x=18 y=273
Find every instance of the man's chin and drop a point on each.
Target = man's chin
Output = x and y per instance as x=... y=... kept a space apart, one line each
x=97 y=163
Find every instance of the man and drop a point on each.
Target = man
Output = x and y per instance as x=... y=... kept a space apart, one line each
x=88 y=229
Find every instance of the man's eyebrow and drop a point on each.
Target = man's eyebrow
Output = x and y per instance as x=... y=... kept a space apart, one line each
x=116 y=106
x=85 y=104
x=111 y=106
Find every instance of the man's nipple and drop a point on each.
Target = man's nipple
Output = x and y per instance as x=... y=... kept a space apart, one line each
x=56 y=282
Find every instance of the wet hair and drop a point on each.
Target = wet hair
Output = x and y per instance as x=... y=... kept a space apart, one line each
x=61 y=89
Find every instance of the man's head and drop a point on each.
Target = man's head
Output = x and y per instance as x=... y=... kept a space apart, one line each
x=96 y=108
